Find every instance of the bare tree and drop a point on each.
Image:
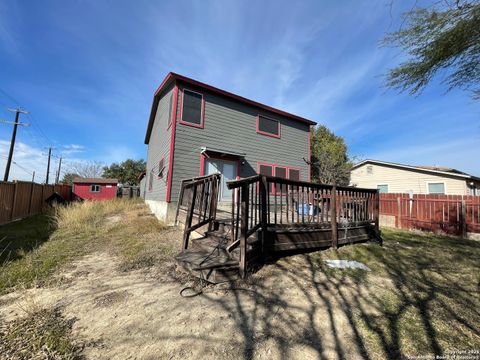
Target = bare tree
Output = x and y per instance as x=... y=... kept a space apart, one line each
x=87 y=169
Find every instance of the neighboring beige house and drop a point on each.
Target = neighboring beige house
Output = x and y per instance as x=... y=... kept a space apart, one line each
x=397 y=178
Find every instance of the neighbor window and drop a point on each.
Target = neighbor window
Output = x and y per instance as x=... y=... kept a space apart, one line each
x=436 y=188
x=267 y=126
x=369 y=169
x=192 y=105
x=382 y=188
x=94 y=188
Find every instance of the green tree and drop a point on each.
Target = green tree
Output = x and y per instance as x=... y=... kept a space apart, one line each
x=440 y=40
x=68 y=178
x=126 y=172
x=329 y=157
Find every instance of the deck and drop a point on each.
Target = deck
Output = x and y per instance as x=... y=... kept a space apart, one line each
x=268 y=217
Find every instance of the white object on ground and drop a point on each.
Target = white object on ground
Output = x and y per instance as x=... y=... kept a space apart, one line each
x=347 y=264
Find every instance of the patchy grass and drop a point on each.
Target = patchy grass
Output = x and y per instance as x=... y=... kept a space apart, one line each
x=424 y=289
x=41 y=334
x=123 y=227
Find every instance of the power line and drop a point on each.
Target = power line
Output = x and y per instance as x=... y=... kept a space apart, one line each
x=17 y=164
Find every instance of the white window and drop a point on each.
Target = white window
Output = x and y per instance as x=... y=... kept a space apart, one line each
x=95 y=188
x=369 y=169
x=436 y=188
x=383 y=188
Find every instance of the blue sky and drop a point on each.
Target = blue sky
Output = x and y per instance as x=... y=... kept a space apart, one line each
x=87 y=71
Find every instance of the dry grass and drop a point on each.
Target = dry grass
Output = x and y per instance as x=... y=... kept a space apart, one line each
x=124 y=227
x=40 y=334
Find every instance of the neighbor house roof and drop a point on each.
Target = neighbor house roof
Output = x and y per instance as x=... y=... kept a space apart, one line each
x=172 y=77
x=80 y=180
x=438 y=170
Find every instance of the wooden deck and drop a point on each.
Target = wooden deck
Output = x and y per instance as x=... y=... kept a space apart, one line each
x=269 y=217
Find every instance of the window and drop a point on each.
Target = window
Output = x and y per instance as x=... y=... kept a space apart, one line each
x=294 y=174
x=436 y=188
x=192 y=108
x=95 y=188
x=281 y=172
x=382 y=188
x=369 y=169
x=170 y=110
x=266 y=170
x=267 y=126
x=150 y=180
x=161 y=168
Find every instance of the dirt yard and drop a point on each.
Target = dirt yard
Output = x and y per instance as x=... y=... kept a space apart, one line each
x=421 y=298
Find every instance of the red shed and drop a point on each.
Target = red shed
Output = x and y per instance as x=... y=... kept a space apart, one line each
x=95 y=189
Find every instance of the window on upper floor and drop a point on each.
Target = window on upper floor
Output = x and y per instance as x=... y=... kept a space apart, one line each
x=192 y=108
x=369 y=169
x=436 y=188
x=268 y=126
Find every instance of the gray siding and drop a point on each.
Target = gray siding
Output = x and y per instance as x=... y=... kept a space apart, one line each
x=158 y=148
x=231 y=125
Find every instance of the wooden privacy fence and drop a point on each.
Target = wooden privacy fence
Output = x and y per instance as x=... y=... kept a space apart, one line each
x=450 y=214
x=20 y=199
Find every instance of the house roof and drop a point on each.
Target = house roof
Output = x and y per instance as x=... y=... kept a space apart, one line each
x=173 y=76
x=437 y=170
x=80 y=180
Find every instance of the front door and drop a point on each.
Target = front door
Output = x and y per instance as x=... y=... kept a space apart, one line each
x=228 y=171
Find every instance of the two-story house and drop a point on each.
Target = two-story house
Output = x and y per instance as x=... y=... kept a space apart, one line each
x=196 y=129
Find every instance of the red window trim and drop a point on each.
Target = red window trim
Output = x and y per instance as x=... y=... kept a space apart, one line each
x=272 y=191
x=199 y=126
x=266 y=133
x=172 y=145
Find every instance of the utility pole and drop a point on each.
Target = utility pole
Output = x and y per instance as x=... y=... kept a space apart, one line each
x=33 y=176
x=48 y=164
x=12 y=142
x=58 y=171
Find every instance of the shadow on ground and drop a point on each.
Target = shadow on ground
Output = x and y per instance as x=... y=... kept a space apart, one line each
x=21 y=237
x=421 y=297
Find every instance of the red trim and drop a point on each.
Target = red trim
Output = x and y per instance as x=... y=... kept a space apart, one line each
x=266 y=133
x=172 y=76
x=180 y=121
x=273 y=172
x=230 y=158
x=172 y=143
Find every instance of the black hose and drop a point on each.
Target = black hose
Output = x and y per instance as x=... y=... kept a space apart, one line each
x=190 y=295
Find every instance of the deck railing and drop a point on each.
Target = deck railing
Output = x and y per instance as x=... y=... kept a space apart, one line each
x=263 y=202
x=198 y=199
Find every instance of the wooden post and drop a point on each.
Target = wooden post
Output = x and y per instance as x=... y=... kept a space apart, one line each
x=399 y=213
x=376 y=211
x=30 y=200
x=180 y=200
x=263 y=215
x=243 y=231
x=464 y=220
x=188 y=221
x=14 y=200
x=333 y=215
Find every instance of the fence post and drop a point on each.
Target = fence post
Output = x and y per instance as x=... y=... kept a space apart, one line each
x=243 y=231
x=14 y=200
x=376 y=212
x=399 y=215
x=263 y=202
x=333 y=215
x=188 y=221
x=31 y=198
x=463 y=220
